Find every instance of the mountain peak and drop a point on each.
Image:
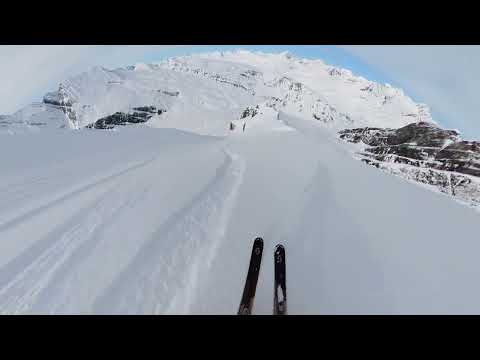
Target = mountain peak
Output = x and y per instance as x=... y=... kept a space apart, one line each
x=221 y=85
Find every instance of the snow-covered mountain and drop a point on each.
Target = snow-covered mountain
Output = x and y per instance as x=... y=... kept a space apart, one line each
x=215 y=93
x=158 y=216
x=219 y=87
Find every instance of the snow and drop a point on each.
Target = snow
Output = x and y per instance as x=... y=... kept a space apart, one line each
x=160 y=218
x=165 y=225
x=219 y=86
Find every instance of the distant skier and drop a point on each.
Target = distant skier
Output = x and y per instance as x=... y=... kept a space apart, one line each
x=244 y=126
x=232 y=126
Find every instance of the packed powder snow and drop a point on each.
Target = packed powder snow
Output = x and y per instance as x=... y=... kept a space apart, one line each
x=159 y=217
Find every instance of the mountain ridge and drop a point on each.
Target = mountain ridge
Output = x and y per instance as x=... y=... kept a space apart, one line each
x=308 y=87
x=214 y=93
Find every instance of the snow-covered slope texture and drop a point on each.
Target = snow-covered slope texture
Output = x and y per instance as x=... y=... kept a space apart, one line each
x=160 y=221
x=204 y=93
x=33 y=118
x=153 y=219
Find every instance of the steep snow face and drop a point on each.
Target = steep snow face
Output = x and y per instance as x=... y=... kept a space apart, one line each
x=308 y=88
x=190 y=103
x=203 y=93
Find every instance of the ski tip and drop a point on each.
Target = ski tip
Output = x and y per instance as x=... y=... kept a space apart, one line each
x=279 y=250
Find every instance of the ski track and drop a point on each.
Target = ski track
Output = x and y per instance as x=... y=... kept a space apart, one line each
x=168 y=270
x=20 y=294
x=196 y=238
x=161 y=221
x=30 y=274
x=44 y=277
x=69 y=195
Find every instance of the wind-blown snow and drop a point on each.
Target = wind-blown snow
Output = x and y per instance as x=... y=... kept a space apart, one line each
x=154 y=219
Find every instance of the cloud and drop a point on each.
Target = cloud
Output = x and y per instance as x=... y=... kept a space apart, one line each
x=28 y=72
x=447 y=78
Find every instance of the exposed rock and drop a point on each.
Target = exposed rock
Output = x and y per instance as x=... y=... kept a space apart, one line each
x=56 y=98
x=287 y=83
x=327 y=113
x=119 y=118
x=249 y=112
x=5 y=119
x=418 y=134
x=225 y=80
x=334 y=72
x=462 y=156
x=148 y=109
x=170 y=93
x=274 y=103
x=250 y=73
x=62 y=100
x=179 y=66
x=427 y=154
x=141 y=115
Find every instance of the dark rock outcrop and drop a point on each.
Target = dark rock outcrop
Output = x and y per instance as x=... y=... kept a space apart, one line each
x=249 y=112
x=62 y=100
x=141 y=115
x=146 y=109
x=119 y=118
x=328 y=114
x=419 y=144
x=250 y=73
x=430 y=155
x=214 y=76
x=5 y=120
x=335 y=72
x=170 y=93
x=420 y=134
x=57 y=98
x=462 y=157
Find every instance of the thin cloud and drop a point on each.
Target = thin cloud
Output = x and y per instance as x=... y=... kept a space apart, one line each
x=28 y=72
x=444 y=77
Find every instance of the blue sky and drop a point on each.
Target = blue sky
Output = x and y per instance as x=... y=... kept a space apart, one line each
x=444 y=77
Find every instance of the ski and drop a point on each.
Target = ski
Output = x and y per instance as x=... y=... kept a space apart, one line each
x=248 y=296
x=280 y=286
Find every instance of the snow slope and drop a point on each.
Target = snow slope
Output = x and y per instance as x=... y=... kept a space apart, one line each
x=165 y=225
x=159 y=218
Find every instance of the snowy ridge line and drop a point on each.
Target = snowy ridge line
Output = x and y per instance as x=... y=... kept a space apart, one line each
x=33 y=212
x=165 y=274
x=225 y=83
x=20 y=290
